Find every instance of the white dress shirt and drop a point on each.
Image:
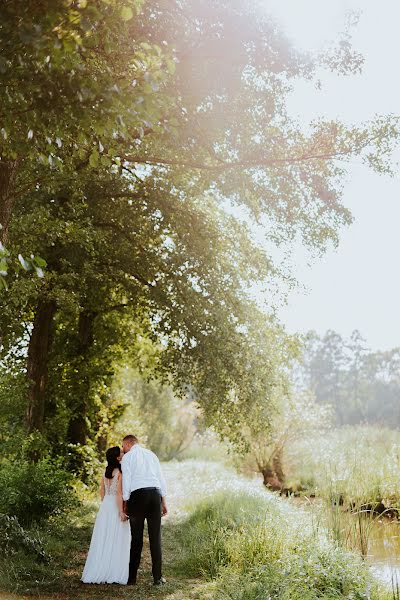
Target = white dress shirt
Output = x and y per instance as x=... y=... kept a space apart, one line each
x=141 y=469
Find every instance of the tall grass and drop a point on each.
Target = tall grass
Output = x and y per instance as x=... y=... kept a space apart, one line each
x=362 y=464
x=353 y=530
x=349 y=527
x=247 y=543
x=260 y=549
x=395 y=588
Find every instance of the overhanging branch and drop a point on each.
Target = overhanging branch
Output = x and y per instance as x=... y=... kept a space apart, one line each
x=224 y=166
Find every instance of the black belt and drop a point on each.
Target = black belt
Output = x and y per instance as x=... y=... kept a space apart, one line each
x=147 y=489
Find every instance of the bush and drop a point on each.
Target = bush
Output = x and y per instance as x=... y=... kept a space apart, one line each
x=258 y=548
x=34 y=492
x=15 y=538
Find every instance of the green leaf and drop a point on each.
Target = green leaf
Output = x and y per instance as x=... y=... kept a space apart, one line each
x=126 y=13
x=39 y=261
x=94 y=159
x=3 y=268
x=105 y=161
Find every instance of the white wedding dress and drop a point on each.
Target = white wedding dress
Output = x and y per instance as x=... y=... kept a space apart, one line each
x=108 y=558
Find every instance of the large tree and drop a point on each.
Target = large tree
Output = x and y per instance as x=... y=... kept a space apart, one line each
x=173 y=132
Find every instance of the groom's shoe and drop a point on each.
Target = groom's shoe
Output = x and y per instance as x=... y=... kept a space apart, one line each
x=131 y=581
x=160 y=581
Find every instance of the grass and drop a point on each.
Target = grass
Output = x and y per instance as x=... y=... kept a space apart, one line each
x=354 y=474
x=67 y=543
x=225 y=538
x=359 y=464
x=258 y=548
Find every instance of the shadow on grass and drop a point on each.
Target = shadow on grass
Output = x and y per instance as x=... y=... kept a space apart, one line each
x=66 y=541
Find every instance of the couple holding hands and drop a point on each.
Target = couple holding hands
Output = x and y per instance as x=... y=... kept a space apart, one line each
x=132 y=490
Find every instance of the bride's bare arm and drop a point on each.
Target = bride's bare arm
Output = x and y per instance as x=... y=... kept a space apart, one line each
x=119 y=498
x=102 y=489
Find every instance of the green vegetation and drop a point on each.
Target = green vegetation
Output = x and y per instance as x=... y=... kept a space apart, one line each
x=359 y=464
x=136 y=157
x=233 y=540
x=294 y=417
x=349 y=479
x=257 y=548
x=34 y=492
x=142 y=144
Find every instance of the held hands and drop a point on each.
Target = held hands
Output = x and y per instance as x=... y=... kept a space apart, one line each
x=123 y=514
x=164 y=509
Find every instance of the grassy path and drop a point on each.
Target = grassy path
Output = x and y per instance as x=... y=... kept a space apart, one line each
x=252 y=544
x=68 y=541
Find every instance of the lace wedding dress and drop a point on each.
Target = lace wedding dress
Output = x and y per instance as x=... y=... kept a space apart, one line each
x=108 y=558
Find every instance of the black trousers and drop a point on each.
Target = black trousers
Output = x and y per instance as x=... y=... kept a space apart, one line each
x=145 y=504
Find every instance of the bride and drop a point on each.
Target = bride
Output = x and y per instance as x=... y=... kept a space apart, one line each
x=108 y=558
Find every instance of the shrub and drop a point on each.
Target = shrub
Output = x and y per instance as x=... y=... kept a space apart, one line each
x=34 y=492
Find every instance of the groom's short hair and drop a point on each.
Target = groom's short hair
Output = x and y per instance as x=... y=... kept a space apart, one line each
x=130 y=439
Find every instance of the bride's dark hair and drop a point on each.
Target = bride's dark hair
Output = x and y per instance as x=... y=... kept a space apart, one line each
x=112 y=455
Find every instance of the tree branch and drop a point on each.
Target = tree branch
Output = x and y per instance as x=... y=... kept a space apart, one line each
x=249 y=163
x=120 y=230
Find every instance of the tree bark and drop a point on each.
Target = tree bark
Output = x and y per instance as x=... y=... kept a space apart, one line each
x=37 y=366
x=277 y=463
x=8 y=173
x=271 y=478
x=77 y=430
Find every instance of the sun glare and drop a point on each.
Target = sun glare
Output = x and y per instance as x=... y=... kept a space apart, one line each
x=310 y=24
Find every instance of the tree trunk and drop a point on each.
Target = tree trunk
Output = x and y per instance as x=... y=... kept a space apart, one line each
x=8 y=172
x=102 y=444
x=271 y=479
x=77 y=430
x=277 y=463
x=38 y=355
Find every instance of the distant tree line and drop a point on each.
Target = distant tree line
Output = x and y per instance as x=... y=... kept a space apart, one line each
x=362 y=386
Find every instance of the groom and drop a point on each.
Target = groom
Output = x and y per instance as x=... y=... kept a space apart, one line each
x=144 y=490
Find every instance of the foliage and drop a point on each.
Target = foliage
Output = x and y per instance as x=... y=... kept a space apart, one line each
x=163 y=421
x=239 y=506
x=13 y=388
x=34 y=492
x=64 y=94
x=207 y=445
x=361 y=464
x=166 y=138
x=295 y=417
x=14 y=538
x=195 y=345
x=256 y=549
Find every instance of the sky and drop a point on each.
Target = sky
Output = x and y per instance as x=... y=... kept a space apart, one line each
x=356 y=286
